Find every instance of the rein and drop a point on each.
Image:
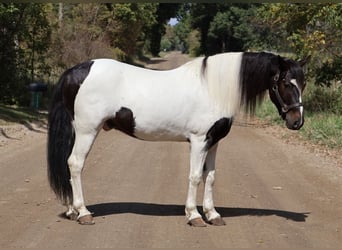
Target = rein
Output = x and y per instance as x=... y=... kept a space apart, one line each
x=284 y=107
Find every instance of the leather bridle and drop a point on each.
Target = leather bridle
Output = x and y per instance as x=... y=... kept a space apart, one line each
x=285 y=108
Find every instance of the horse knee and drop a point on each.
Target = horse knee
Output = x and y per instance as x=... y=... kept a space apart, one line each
x=195 y=179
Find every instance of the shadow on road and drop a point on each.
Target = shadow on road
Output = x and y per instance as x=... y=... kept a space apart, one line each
x=104 y=209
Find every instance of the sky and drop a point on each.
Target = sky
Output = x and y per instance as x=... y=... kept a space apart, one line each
x=173 y=21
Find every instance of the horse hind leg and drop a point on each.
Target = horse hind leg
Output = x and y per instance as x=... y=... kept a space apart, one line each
x=83 y=143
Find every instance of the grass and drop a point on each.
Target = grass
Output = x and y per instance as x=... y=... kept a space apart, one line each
x=321 y=128
x=14 y=114
x=324 y=129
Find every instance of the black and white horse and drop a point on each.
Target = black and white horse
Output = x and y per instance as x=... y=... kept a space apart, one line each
x=194 y=103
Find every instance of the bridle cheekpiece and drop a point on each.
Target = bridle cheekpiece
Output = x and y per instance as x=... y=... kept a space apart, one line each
x=284 y=107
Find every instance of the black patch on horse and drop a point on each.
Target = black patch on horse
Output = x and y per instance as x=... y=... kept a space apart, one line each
x=123 y=121
x=71 y=82
x=219 y=130
x=204 y=65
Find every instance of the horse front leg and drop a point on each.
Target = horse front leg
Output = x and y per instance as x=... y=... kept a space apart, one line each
x=197 y=159
x=83 y=143
x=209 y=178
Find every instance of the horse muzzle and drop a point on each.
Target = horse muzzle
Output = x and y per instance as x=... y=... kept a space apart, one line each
x=294 y=120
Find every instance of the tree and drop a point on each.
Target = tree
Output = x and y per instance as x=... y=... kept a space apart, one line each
x=201 y=17
x=163 y=14
x=81 y=34
x=36 y=39
x=25 y=36
x=183 y=32
x=224 y=27
x=96 y=30
x=310 y=29
x=132 y=21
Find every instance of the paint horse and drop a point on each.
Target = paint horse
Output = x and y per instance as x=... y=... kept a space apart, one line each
x=194 y=103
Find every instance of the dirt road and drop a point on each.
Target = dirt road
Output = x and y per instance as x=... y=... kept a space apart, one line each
x=271 y=193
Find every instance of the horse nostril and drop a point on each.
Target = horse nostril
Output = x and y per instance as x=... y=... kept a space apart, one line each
x=296 y=124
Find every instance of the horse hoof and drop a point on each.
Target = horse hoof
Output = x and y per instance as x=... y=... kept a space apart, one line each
x=197 y=222
x=217 y=222
x=86 y=220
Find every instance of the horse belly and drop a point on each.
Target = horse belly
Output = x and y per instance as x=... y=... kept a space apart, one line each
x=160 y=135
x=144 y=127
x=172 y=123
x=158 y=127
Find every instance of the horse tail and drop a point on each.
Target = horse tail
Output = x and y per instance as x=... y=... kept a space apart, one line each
x=60 y=142
x=61 y=137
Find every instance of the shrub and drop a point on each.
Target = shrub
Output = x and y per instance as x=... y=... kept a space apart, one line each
x=319 y=99
x=330 y=71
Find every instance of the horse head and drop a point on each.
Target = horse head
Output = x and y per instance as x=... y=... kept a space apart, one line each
x=286 y=88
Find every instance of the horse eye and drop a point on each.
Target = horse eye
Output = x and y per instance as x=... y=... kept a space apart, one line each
x=287 y=83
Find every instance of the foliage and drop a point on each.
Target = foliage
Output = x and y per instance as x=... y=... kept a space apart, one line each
x=224 y=27
x=193 y=43
x=19 y=114
x=330 y=71
x=24 y=41
x=324 y=129
x=164 y=12
x=319 y=99
x=79 y=34
x=310 y=29
x=233 y=28
x=103 y=30
x=132 y=20
x=183 y=31
x=201 y=17
x=39 y=41
x=323 y=120
x=170 y=40
x=296 y=30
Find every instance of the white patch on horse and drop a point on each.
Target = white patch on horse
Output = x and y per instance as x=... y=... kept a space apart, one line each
x=222 y=78
x=166 y=105
x=301 y=109
x=294 y=82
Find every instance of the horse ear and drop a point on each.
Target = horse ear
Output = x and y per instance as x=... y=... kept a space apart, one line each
x=284 y=63
x=304 y=61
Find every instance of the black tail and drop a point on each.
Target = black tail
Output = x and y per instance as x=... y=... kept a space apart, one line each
x=60 y=143
x=61 y=136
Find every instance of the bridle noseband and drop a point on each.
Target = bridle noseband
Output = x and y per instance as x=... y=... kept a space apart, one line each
x=284 y=107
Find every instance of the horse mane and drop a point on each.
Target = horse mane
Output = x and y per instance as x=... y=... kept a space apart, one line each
x=220 y=73
x=237 y=80
x=255 y=74
x=204 y=66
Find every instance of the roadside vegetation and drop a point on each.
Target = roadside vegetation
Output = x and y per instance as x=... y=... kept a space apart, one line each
x=323 y=118
x=38 y=41
x=14 y=114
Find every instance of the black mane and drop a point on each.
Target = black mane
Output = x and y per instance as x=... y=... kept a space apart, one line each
x=256 y=73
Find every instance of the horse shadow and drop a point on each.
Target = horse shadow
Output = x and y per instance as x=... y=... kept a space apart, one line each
x=151 y=209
